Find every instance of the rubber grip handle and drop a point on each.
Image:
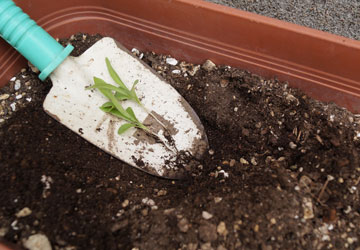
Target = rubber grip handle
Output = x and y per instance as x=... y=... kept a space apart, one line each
x=32 y=41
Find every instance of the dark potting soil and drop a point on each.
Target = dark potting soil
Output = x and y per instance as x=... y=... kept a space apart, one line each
x=282 y=172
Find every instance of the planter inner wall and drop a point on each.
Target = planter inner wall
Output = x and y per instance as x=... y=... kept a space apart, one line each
x=323 y=65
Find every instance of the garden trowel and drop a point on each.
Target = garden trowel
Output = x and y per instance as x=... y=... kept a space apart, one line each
x=177 y=135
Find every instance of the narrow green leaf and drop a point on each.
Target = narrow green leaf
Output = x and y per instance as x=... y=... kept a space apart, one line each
x=96 y=81
x=120 y=93
x=134 y=84
x=99 y=81
x=133 y=93
x=125 y=127
x=134 y=97
x=131 y=113
x=116 y=113
x=110 y=87
x=121 y=97
x=107 y=107
x=113 y=74
x=104 y=92
x=116 y=94
x=117 y=105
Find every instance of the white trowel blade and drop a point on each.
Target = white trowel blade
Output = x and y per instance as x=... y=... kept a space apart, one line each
x=78 y=109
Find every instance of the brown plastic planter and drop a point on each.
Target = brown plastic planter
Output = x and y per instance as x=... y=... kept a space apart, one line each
x=325 y=66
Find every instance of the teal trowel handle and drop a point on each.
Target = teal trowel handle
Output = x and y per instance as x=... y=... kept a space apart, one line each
x=33 y=42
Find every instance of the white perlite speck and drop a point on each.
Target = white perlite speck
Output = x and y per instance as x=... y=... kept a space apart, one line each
x=4 y=97
x=13 y=106
x=292 y=145
x=206 y=215
x=176 y=71
x=217 y=199
x=125 y=203
x=47 y=180
x=17 y=85
x=37 y=242
x=226 y=175
x=221 y=229
x=171 y=61
x=209 y=65
x=14 y=225
x=18 y=97
x=352 y=189
x=149 y=202
x=3 y=231
x=135 y=51
x=243 y=161
x=308 y=208
x=325 y=237
x=193 y=71
x=23 y=212
x=253 y=161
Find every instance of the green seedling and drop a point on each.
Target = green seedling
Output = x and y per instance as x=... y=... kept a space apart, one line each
x=114 y=107
x=119 y=93
x=127 y=94
x=124 y=93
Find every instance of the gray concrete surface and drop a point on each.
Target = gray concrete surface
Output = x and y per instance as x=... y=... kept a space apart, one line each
x=341 y=17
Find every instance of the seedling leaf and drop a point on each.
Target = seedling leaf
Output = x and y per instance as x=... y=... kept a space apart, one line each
x=120 y=97
x=125 y=127
x=101 y=84
x=116 y=94
x=134 y=84
x=98 y=81
x=116 y=113
x=113 y=74
x=131 y=113
x=117 y=105
x=107 y=107
x=129 y=94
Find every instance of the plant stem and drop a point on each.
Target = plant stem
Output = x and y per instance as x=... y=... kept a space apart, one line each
x=155 y=118
x=148 y=131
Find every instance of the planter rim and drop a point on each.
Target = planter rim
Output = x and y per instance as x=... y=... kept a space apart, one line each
x=323 y=65
x=269 y=21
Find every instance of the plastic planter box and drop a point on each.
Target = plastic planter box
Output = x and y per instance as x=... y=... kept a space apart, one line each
x=324 y=66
